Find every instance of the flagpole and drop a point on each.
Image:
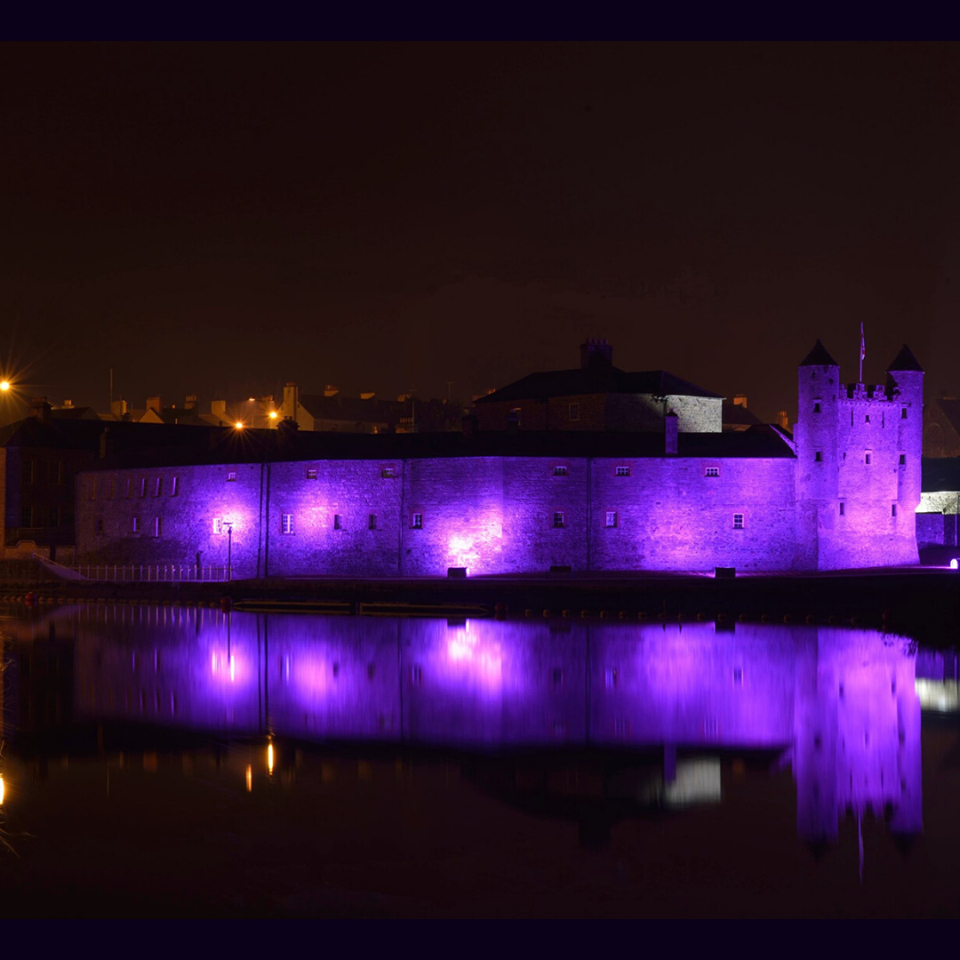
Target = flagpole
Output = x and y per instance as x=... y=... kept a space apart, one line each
x=863 y=353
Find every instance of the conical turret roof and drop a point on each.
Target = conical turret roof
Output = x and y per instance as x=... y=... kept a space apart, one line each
x=905 y=361
x=818 y=357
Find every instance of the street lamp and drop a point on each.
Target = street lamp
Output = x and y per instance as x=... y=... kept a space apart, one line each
x=229 y=528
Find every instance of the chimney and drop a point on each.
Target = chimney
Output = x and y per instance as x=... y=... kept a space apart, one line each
x=595 y=353
x=190 y=402
x=782 y=420
x=740 y=400
x=154 y=404
x=671 y=427
x=330 y=390
x=119 y=409
x=41 y=409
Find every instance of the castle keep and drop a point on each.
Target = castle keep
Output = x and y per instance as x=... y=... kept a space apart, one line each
x=841 y=492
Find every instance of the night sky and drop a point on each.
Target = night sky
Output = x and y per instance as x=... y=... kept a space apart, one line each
x=220 y=219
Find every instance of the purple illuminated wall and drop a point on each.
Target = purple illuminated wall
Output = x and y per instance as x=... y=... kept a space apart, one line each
x=847 y=499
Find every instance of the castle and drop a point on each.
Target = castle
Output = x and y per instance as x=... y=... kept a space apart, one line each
x=841 y=492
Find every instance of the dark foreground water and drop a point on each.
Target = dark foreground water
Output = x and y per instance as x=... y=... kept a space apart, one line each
x=172 y=761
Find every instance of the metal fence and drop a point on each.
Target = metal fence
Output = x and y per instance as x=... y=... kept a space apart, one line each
x=161 y=572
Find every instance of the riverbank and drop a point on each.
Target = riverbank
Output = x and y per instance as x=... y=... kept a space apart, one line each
x=901 y=600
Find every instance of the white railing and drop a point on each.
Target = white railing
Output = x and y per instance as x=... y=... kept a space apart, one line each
x=146 y=572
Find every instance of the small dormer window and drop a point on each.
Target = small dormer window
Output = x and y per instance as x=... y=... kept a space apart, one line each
x=711 y=471
x=622 y=472
x=231 y=475
x=311 y=473
x=559 y=471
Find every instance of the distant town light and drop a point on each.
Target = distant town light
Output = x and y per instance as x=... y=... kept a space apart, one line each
x=239 y=424
x=274 y=414
x=4 y=385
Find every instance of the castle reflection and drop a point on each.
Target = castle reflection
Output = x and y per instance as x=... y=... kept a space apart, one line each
x=841 y=706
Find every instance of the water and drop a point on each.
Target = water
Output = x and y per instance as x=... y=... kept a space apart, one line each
x=172 y=761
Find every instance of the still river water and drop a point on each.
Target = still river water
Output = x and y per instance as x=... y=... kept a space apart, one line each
x=177 y=761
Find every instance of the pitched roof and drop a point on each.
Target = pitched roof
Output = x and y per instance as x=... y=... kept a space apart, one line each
x=818 y=357
x=905 y=360
x=596 y=379
x=737 y=415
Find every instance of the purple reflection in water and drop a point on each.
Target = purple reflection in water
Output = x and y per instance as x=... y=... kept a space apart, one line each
x=841 y=705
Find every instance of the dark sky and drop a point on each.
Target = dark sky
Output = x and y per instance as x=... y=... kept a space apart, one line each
x=220 y=219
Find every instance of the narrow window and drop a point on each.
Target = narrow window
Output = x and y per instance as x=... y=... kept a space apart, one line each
x=868 y=457
x=372 y=522
x=903 y=459
x=143 y=486
x=893 y=510
x=156 y=526
x=158 y=487
x=574 y=411
x=818 y=456
x=611 y=518
x=416 y=521
x=286 y=523
x=174 y=486
x=311 y=473
x=337 y=522
x=711 y=472
x=843 y=508
x=218 y=525
x=135 y=527
x=128 y=489
x=738 y=521
x=866 y=418
x=231 y=475
x=113 y=489
x=559 y=471
x=99 y=524
x=903 y=413
x=93 y=490
x=816 y=406
x=558 y=519
x=387 y=473
x=622 y=472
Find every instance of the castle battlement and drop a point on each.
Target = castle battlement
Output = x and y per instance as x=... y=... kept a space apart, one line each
x=870 y=392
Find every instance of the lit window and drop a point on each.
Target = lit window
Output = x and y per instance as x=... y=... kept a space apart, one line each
x=868 y=457
x=387 y=473
x=558 y=519
x=711 y=472
x=622 y=472
x=372 y=522
x=611 y=518
x=231 y=475
x=286 y=523
x=337 y=521
x=218 y=525
x=156 y=526
x=574 y=411
x=818 y=456
x=738 y=521
x=136 y=525
x=311 y=473
x=174 y=486
x=559 y=471
x=416 y=521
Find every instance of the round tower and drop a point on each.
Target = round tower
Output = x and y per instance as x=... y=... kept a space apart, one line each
x=818 y=468
x=905 y=389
